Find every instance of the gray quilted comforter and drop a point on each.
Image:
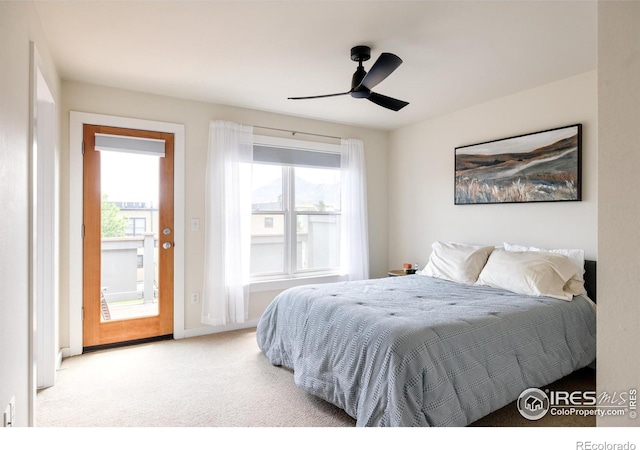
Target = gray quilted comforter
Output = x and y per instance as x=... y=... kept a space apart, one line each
x=418 y=351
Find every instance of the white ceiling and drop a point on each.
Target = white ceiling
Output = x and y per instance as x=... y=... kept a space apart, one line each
x=256 y=54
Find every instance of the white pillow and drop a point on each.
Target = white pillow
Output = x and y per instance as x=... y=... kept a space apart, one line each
x=575 y=255
x=452 y=261
x=531 y=273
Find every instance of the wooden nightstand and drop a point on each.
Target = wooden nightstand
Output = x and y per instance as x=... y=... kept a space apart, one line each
x=399 y=273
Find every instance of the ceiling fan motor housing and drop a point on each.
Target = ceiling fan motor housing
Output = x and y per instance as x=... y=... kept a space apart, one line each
x=360 y=53
x=358 y=91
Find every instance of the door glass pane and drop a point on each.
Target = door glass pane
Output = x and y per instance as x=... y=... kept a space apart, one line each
x=318 y=241
x=129 y=255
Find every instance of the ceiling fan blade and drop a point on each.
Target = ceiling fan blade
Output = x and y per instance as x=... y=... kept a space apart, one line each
x=381 y=69
x=387 y=102
x=319 y=96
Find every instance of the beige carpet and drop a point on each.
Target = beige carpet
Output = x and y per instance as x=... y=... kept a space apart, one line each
x=219 y=380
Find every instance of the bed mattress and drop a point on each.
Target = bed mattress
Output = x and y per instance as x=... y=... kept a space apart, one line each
x=419 y=351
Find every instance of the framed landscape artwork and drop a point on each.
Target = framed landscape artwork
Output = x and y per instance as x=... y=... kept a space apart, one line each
x=537 y=167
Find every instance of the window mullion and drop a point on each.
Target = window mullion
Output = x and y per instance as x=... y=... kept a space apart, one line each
x=293 y=234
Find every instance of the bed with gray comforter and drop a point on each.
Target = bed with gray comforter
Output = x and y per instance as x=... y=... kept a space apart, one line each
x=418 y=351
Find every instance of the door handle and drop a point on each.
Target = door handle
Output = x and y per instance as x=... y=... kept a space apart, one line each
x=166 y=245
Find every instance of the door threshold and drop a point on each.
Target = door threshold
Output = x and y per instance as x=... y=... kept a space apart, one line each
x=96 y=348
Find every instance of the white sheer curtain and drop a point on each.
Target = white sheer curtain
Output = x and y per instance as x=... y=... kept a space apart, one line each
x=354 y=233
x=227 y=223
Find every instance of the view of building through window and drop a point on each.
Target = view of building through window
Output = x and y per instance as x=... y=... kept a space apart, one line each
x=130 y=184
x=129 y=255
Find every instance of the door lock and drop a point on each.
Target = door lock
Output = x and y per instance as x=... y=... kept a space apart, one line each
x=166 y=245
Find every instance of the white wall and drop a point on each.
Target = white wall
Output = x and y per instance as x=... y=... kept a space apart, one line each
x=421 y=173
x=619 y=208
x=196 y=117
x=19 y=25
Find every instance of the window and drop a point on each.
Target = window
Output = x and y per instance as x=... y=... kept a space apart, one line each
x=295 y=227
x=136 y=226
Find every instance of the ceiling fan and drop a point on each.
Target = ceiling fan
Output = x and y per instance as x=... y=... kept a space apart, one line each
x=362 y=81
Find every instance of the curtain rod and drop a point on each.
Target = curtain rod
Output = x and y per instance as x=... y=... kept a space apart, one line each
x=293 y=132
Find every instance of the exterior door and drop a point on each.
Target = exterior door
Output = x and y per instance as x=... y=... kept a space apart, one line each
x=128 y=231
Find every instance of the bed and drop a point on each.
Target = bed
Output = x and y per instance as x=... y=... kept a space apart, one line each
x=429 y=350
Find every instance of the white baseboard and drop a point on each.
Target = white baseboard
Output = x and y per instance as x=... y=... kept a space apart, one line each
x=191 y=332
x=202 y=331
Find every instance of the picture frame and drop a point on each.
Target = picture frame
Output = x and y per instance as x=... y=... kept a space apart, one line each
x=544 y=166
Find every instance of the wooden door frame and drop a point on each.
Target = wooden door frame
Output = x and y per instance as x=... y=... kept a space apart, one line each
x=77 y=121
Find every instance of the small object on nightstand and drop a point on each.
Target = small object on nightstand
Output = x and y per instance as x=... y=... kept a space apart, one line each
x=409 y=269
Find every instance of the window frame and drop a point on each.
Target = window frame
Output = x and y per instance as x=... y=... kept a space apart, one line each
x=133 y=221
x=292 y=276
